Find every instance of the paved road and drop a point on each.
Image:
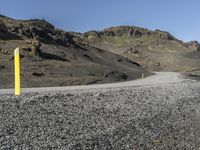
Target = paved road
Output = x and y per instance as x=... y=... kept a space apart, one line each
x=158 y=78
x=141 y=114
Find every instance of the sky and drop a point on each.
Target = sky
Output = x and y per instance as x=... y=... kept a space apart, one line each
x=179 y=17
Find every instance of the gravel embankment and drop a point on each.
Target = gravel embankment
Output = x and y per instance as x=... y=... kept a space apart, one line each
x=144 y=117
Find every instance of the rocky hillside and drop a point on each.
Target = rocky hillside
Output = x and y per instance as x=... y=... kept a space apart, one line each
x=194 y=45
x=155 y=50
x=51 y=57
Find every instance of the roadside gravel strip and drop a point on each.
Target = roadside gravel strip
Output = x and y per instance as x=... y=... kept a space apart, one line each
x=159 y=116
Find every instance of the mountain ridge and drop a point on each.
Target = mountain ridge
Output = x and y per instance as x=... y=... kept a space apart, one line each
x=50 y=57
x=114 y=54
x=145 y=46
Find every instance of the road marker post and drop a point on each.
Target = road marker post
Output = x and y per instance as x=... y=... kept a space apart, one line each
x=143 y=76
x=17 y=71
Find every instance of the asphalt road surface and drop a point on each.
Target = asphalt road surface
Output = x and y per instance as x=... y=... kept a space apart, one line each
x=158 y=78
x=158 y=112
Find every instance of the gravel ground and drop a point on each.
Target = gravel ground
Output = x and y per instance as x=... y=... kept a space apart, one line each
x=145 y=117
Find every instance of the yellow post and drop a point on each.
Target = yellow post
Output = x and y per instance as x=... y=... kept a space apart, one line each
x=17 y=71
x=143 y=76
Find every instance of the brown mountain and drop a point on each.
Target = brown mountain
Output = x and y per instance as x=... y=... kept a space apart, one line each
x=51 y=57
x=154 y=50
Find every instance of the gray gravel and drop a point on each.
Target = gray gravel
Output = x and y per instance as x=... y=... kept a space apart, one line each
x=144 y=117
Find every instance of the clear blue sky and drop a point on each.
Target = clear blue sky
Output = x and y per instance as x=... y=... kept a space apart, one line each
x=180 y=17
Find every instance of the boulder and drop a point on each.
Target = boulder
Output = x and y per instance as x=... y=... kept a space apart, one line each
x=157 y=64
x=132 y=50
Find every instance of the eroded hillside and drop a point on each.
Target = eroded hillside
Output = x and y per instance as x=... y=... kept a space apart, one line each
x=154 y=50
x=50 y=57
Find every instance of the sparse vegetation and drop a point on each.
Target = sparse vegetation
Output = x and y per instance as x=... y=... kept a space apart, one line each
x=50 y=57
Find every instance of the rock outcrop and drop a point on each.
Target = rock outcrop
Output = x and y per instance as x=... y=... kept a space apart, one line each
x=35 y=48
x=194 y=45
x=36 y=28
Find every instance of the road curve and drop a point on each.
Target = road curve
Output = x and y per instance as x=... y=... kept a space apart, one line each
x=158 y=78
x=158 y=112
